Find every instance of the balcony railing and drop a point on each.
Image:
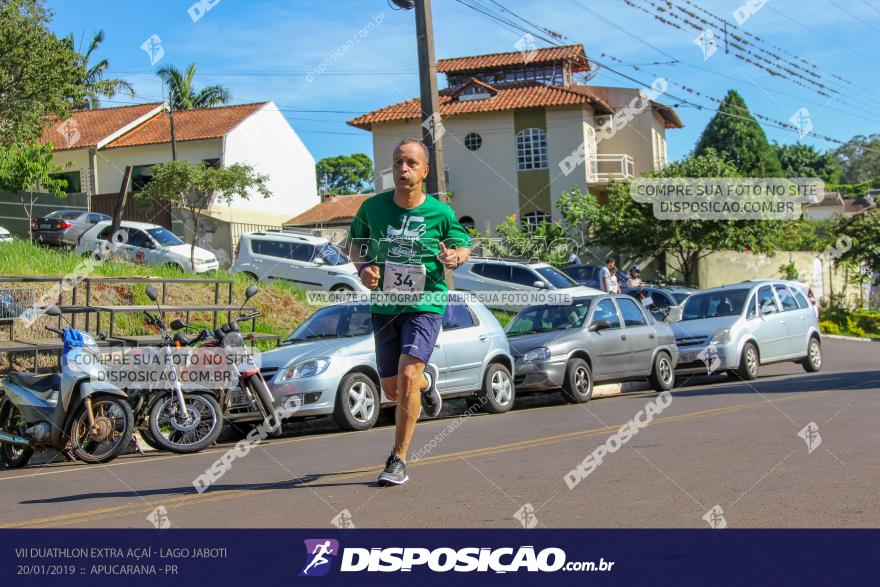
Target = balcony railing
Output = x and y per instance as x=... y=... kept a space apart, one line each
x=611 y=166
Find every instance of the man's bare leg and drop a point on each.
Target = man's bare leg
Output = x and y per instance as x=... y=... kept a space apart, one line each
x=410 y=384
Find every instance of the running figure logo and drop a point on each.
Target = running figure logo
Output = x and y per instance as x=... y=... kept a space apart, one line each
x=317 y=553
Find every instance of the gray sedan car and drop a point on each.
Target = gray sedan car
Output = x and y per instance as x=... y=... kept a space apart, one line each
x=737 y=328
x=64 y=227
x=330 y=363
x=595 y=339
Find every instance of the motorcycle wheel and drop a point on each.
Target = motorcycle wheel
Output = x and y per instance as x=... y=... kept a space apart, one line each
x=113 y=420
x=14 y=457
x=172 y=432
x=148 y=438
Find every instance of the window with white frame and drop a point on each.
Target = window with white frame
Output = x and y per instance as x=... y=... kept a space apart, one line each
x=531 y=149
x=533 y=219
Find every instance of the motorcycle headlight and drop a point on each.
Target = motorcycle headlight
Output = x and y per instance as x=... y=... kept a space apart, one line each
x=721 y=337
x=539 y=354
x=308 y=368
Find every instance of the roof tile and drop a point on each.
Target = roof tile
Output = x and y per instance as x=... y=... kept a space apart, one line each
x=86 y=128
x=574 y=53
x=332 y=209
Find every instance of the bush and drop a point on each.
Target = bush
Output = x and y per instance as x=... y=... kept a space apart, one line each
x=828 y=327
x=853 y=327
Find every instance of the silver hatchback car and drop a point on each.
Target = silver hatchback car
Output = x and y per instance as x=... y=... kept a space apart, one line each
x=330 y=363
x=597 y=338
x=737 y=328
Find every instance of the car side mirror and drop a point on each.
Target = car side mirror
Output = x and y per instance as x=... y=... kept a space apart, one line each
x=251 y=292
x=598 y=325
x=675 y=314
x=177 y=324
x=539 y=284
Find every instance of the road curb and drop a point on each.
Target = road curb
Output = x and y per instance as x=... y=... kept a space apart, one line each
x=853 y=338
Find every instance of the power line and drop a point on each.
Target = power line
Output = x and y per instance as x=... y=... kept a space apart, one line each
x=841 y=8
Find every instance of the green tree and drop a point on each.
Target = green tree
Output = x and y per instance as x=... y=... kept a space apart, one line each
x=805 y=161
x=27 y=169
x=182 y=92
x=547 y=242
x=40 y=75
x=195 y=187
x=630 y=226
x=864 y=229
x=96 y=87
x=345 y=174
x=738 y=139
x=860 y=158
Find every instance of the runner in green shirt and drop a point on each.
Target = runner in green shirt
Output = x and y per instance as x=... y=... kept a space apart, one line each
x=403 y=240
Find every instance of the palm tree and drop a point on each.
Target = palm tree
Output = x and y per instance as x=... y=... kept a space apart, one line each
x=96 y=86
x=183 y=96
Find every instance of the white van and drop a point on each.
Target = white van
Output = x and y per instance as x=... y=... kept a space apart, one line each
x=310 y=261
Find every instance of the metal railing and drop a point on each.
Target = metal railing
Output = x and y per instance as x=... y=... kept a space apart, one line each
x=611 y=166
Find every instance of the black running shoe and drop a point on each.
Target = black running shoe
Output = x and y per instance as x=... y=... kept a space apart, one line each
x=394 y=473
x=431 y=400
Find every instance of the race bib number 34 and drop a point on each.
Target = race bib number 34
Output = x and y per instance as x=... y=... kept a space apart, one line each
x=404 y=277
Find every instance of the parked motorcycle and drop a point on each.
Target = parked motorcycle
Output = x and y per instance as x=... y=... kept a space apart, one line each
x=251 y=402
x=71 y=412
x=173 y=419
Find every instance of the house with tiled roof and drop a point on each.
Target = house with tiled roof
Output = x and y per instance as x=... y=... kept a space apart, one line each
x=334 y=211
x=519 y=128
x=97 y=145
x=835 y=204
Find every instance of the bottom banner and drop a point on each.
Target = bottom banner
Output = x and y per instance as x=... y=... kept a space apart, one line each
x=524 y=557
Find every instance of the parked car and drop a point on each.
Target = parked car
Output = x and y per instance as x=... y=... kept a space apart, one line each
x=658 y=300
x=737 y=328
x=5 y=236
x=589 y=275
x=305 y=259
x=63 y=227
x=330 y=362
x=147 y=244
x=598 y=338
x=496 y=275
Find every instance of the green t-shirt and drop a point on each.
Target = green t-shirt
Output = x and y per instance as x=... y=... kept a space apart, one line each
x=409 y=236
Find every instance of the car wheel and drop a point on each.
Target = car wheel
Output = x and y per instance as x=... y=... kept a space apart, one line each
x=341 y=287
x=497 y=394
x=663 y=374
x=748 y=362
x=578 y=385
x=813 y=361
x=357 y=403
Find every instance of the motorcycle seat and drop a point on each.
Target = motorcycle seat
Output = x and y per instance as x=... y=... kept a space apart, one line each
x=37 y=382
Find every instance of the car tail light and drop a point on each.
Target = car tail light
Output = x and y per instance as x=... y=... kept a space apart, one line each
x=811 y=297
x=64 y=225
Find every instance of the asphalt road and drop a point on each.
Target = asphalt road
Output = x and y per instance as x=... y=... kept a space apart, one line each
x=720 y=442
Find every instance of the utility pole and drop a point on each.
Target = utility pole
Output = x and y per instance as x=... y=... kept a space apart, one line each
x=432 y=128
x=173 y=137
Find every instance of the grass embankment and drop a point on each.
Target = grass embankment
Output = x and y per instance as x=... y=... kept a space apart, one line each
x=283 y=305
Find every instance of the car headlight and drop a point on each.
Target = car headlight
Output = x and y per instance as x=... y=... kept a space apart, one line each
x=539 y=354
x=308 y=368
x=721 y=337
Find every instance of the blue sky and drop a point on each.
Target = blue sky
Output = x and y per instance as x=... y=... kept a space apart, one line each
x=264 y=50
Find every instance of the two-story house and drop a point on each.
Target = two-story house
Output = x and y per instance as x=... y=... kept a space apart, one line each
x=520 y=128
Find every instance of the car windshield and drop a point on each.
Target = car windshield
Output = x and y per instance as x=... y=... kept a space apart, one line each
x=64 y=214
x=331 y=254
x=548 y=318
x=339 y=321
x=164 y=237
x=556 y=277
x=715 y=304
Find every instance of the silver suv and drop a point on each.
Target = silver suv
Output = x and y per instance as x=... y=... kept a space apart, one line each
x=737 y=328
x=304 y=259
x=485 y=274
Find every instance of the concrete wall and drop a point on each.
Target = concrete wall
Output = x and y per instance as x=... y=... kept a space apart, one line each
x=567 y=129
x=816 y=269
x=112 y=162
x=266 y=141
